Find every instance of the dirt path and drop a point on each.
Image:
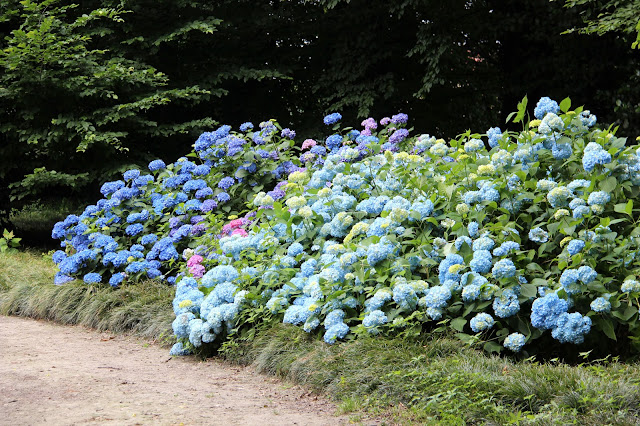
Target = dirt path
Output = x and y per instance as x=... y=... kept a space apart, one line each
x=59 y=375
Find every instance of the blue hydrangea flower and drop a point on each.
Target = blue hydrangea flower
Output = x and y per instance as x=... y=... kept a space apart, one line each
x=131 y=174
x=92 y=278
x=575 y=246
x=546 y=310
x=61 y=278
x=332 y=118
x=559 y=196
x=586 y=274
x=483 y=243
x=581 y=211
x=473 y=145
x=505 y=248
x=223 y=197
x=246 y=126
x=481 y=322
x=59 y=256
x=178 y=349
x=445 y=264
x=594 y=154
x=494 y=134
x=332 y=142
x=376 y=253
x=630 y=286
x=545 y=105
x=374 y=319
x=399 y=118
x=398 y=136
x=600 y=305
x=295 y=249
x=599 y=197
x=571 y=328
x=111 y=187
x=514 y=342
x=503 y=268
x=470 y=292
x=116 y=279
x=337 y=331
x=219 y=274
x=506 y=305
x=378 y=300
x=538 y=235
x=405 y=296
x=134 y=229
x=569 y=281
x=436 y=298
x=561 y=151
x=481 y=262
x=156 y=165
x=226 y=183
x=462 y=240
x=472 y=228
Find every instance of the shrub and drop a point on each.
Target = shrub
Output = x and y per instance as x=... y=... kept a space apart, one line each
x=504 y=240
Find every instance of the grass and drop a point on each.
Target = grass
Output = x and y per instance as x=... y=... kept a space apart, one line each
x=27 y=289
x=439 y=381
x=421 y=381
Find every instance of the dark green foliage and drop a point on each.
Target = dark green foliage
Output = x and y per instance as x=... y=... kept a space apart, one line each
x=71 y=103
x=128 y=81
x=601 y=17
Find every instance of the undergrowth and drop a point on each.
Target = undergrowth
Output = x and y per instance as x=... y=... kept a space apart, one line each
x=402 y=381
x=26 y=290
x=441 y=381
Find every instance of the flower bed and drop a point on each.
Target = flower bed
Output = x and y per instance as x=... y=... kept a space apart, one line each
x=504 y=237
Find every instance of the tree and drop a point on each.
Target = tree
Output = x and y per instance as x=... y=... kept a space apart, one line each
x=609 y=16
x=70 y=104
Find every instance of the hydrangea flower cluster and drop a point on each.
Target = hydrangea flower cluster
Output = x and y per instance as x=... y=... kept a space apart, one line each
x=145 y=220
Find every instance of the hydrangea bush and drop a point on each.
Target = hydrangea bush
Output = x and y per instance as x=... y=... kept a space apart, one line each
x=147 y=218
x=505 y=237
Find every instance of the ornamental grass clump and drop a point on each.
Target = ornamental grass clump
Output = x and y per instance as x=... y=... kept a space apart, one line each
x=511 y=239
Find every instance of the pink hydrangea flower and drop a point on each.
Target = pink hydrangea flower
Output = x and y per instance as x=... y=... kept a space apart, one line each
x=196 y=259
x=197 y=271
x=369 y=124
x=236 y=223
x=385 y=121
x=308 y=143
x=240 y=232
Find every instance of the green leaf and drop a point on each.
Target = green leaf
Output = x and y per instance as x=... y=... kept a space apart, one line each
x=528 y=290
x=607 y=328
x=458 y=324
x=628 y=313
x=522 y=110
x=609 y=184
x=492 y=347
x=565 y=105
x=465 y=337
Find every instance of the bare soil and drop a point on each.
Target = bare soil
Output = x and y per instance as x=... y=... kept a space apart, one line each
x=63 y=375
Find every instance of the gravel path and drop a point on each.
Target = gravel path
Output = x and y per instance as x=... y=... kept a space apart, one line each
x=60 y=375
